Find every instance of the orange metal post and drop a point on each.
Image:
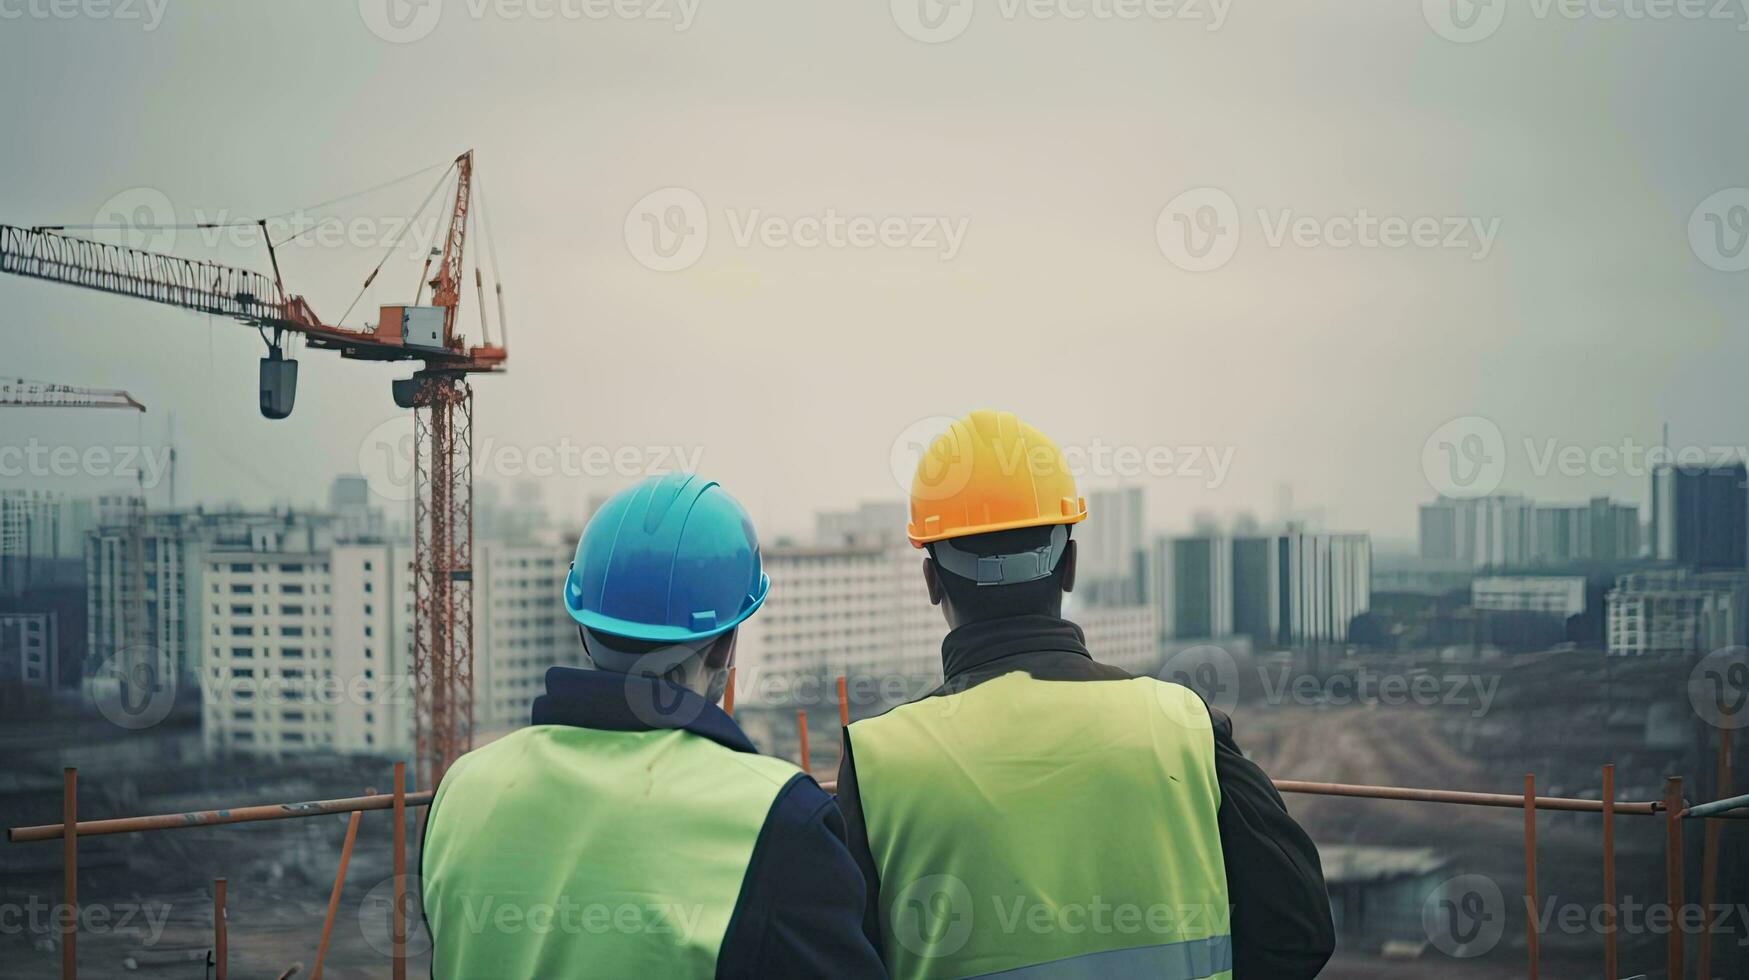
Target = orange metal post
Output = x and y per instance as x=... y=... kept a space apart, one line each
x=221 y=934
x=1709 y=874
x=398 y=915
x=339 y=882
x=1673 y=869
x=70 y=872
x=802 y=728
x=843 y=720
x=1531 y=938
x=729 y=695
x=1609 y=968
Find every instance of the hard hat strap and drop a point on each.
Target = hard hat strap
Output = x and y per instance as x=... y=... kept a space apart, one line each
x=1025 y=566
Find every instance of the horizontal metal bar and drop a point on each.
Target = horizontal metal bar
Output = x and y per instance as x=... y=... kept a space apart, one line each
x=211 y=818
x=1734 y=808
x=1507 y=800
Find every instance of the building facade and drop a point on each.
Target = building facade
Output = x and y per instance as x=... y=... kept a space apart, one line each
x=1560 y=595
x=1290 y=589
x=1676 y=611
x=1700 y=516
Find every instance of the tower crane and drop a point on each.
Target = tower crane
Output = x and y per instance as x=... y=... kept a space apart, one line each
x=19 y=393
x=438 y=393
x=131 y=638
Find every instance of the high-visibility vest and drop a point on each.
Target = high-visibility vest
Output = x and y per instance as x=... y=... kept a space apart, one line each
x=560 y=851
x=1046 y=829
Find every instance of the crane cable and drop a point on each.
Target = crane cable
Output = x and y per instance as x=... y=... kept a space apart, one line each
x=245 y=222
x=497 y=277
x=390 y=250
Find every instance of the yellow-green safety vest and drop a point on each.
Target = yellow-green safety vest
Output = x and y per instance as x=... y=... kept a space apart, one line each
x=1047 y=829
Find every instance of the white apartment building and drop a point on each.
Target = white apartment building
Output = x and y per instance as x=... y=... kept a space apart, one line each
x=520 y=629
x=339 y=623
x=1677 y=612
x=860 y=611
x=1557 y=595
x=1122 y=636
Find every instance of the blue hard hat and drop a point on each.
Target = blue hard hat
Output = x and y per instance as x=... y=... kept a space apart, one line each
x=669 y=560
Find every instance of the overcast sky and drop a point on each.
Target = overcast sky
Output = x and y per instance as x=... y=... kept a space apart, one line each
x=759 y=315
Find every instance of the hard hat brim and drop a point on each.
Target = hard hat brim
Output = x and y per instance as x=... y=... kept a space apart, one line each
x=614 y=626
x=918 y=541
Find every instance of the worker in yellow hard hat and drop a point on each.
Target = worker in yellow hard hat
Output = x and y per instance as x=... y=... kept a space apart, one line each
x=1044 y=815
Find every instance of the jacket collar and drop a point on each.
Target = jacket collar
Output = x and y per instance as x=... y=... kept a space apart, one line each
x=629 y=703
x=980 y=644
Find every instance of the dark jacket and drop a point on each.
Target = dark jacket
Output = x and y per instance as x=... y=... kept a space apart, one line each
x=1281 y=914
x=800 y=912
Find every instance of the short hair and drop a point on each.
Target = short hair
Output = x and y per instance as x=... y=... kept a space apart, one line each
x=992 y=601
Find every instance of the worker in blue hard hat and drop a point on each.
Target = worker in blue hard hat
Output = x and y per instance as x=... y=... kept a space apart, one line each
x=632 y=830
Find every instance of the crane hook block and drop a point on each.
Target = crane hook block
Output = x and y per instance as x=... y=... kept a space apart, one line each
x=279 y=386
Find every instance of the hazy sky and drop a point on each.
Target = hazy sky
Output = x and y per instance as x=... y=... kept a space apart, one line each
x=1027 y=160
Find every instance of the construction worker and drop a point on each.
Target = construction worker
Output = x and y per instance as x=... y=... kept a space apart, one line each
x=632 y=830
x=1044 y=815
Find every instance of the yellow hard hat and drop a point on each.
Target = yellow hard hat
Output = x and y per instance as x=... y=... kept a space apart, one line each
x=990 y=472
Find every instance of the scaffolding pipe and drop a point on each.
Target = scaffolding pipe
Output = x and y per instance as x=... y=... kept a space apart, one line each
x=1673 y=870
x=69 y=834
x=1531 y=938
x=209 y=818
x=1609 y=964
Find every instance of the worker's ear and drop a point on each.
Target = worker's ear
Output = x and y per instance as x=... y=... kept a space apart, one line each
x=722 y=652
x=1068 y=563
x=932 y=578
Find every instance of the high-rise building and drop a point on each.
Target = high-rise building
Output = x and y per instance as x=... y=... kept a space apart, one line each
x=28 y=648
x=1600 y=530
x=1700 y=516
x=520 y=627
x=1511 y=531
x=1111 y=549
x=1289 y=589
x=1675 y=611
x=1481 y=532
x=1190 y=585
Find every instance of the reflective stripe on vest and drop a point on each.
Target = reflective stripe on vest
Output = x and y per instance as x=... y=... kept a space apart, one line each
x=1047 y=829
x=560 y=852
